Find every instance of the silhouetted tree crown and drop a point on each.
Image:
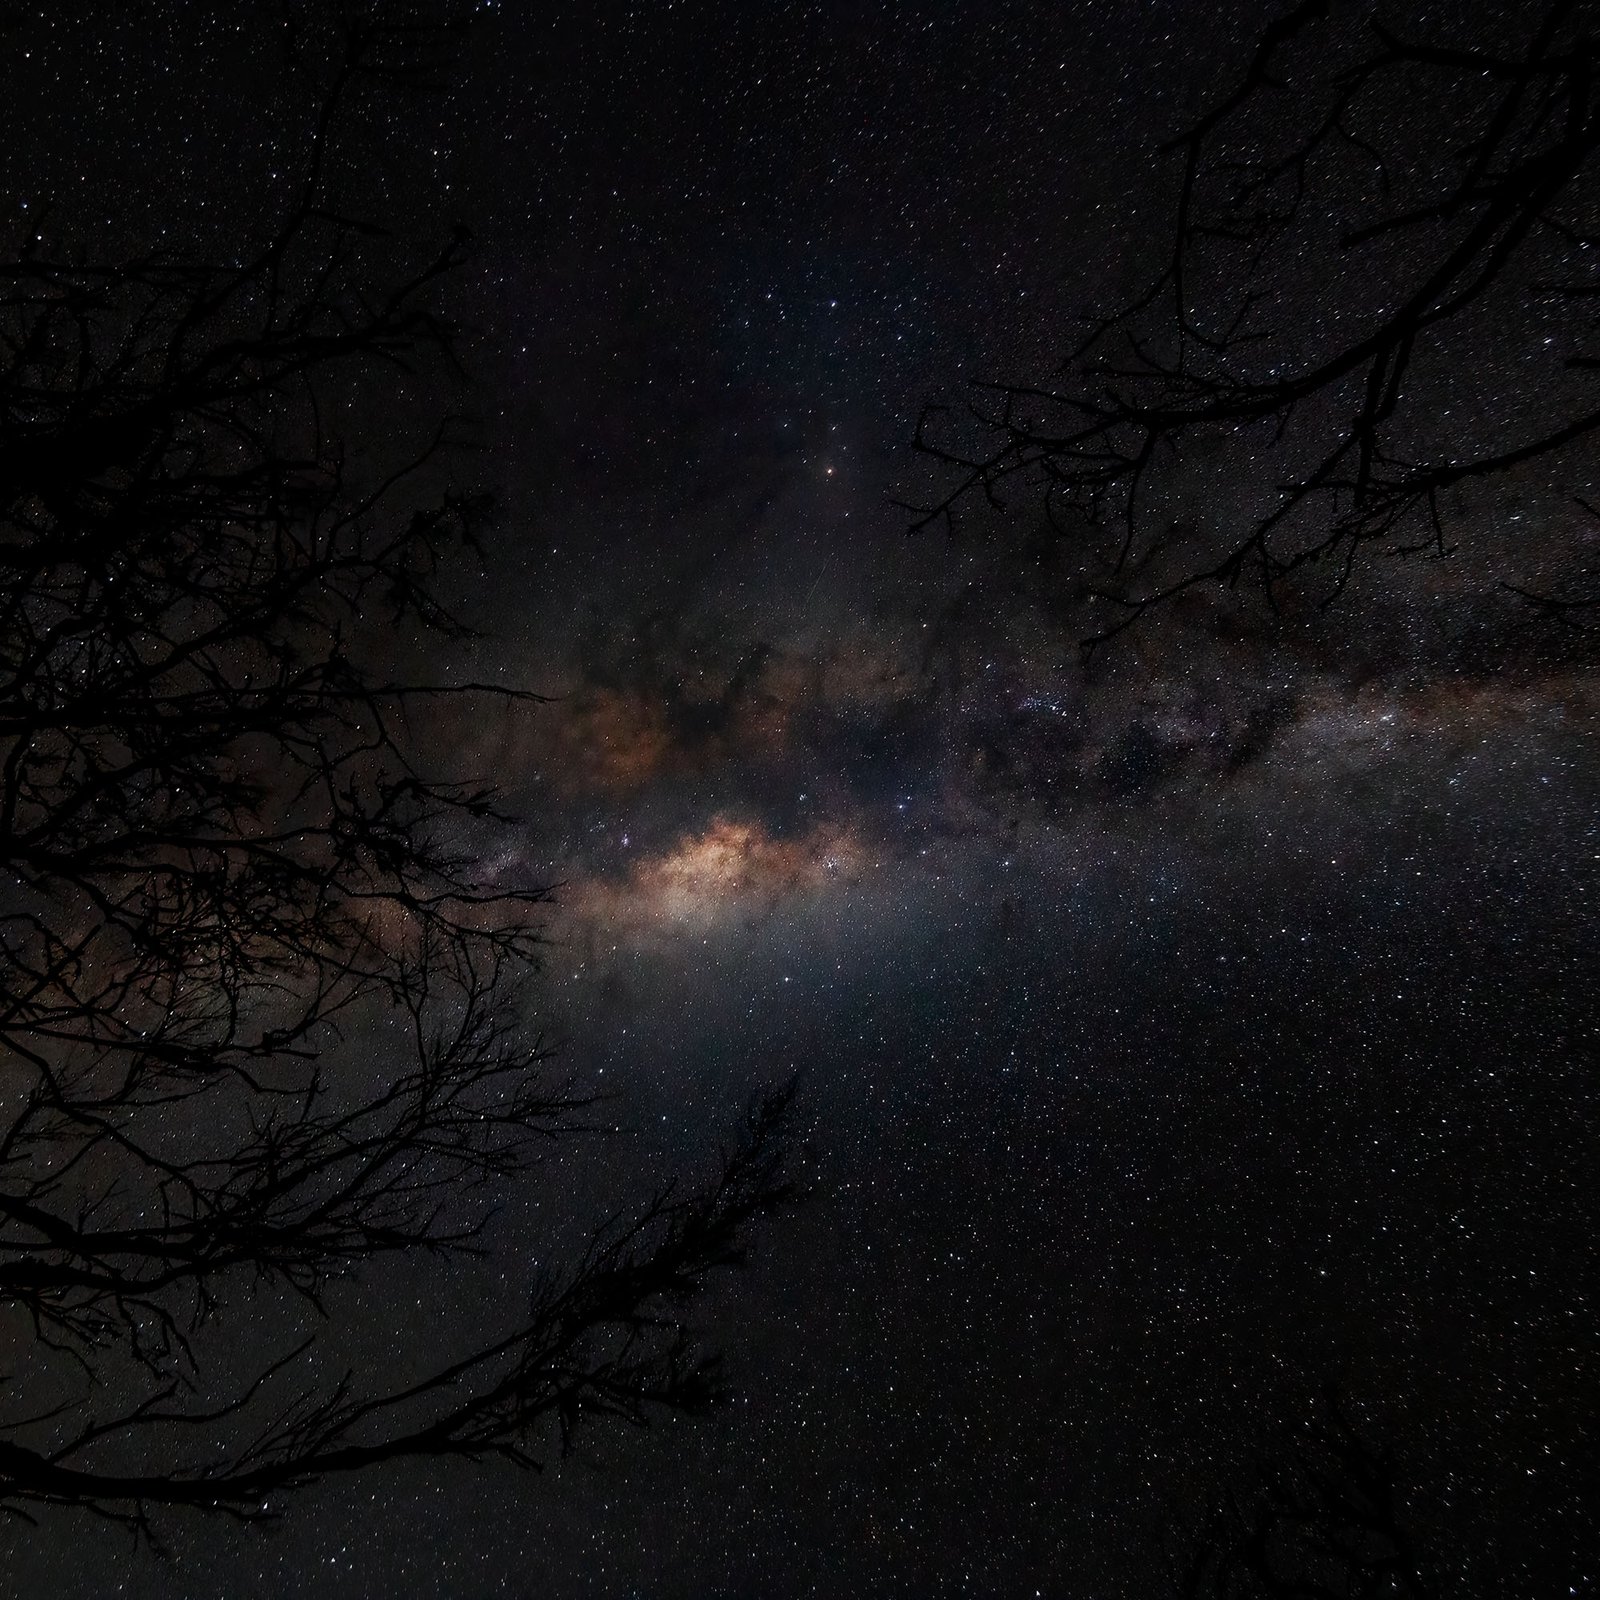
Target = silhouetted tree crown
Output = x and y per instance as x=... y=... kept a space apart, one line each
x=262 y=1014
x=1318 y=1517
x=1378 y=292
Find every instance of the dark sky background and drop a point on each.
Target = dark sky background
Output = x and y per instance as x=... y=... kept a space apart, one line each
x=1179 y=1034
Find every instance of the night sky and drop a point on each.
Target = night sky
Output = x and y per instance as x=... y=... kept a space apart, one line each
x=1179 y=1030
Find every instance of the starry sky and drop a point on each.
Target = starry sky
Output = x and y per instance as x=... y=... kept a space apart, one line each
x=1179 y=1030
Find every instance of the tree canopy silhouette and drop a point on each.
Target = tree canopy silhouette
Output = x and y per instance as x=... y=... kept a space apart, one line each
x=262 y=1014
x=1318 y=1518
x=1378 y=293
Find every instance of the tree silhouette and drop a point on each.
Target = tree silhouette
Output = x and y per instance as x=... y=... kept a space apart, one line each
x=262 y=1014
x=1378 y=292
x=1318 y=1520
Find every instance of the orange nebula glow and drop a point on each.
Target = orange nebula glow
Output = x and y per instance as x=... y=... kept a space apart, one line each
x=730 y=867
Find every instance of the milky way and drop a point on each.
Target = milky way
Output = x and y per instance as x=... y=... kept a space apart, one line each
x=1180 y=1028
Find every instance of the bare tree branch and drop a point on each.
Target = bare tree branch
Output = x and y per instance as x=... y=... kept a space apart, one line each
x=1366 y=402
x=262 y=1013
